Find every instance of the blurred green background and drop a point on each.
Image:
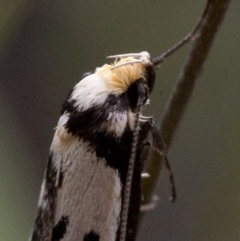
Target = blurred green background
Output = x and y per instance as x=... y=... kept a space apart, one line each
x=46 y=46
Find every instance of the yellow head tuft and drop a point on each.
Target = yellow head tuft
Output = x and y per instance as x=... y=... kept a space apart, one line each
x=118 y=79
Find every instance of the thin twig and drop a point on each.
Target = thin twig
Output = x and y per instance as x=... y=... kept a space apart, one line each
x=192 y=68
x=191 y=36
x=212 y=16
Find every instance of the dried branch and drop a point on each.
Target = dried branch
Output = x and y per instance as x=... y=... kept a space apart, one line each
x=192 y=68
x=212 y=17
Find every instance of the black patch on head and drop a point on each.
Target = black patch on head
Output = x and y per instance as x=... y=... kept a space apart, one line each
x=139 y=89
x=60 y=229
x=132 y=96
x=42 y=225
x=92 y=236
x=151 y=77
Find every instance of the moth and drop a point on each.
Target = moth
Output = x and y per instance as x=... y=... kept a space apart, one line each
x=92 y=185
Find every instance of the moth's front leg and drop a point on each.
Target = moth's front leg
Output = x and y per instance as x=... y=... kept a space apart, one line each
x=158 y=144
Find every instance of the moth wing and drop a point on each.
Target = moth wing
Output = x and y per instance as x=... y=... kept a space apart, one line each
x=88 y=199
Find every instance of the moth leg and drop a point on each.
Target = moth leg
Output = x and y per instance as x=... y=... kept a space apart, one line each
x=144 y=143
x=158 y=144
x=160 y=147
x=144 y=156
x=143 y=119
x=150 y=206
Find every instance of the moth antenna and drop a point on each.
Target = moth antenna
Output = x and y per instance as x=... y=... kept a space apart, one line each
x=144 y=57
x=130 y=173
x=134 y=55
x=127 y=63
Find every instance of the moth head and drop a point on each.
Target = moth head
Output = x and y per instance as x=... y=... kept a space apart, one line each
x=126 y=70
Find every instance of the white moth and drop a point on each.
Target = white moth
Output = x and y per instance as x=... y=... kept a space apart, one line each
x=83 y=190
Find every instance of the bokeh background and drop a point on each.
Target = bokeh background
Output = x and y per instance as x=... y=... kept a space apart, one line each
x=45 y=47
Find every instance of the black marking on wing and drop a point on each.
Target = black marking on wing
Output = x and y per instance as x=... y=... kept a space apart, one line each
x=44 y=220
x=60 y=228
x=60 y=179
x=91 y=236
x=85 y=123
